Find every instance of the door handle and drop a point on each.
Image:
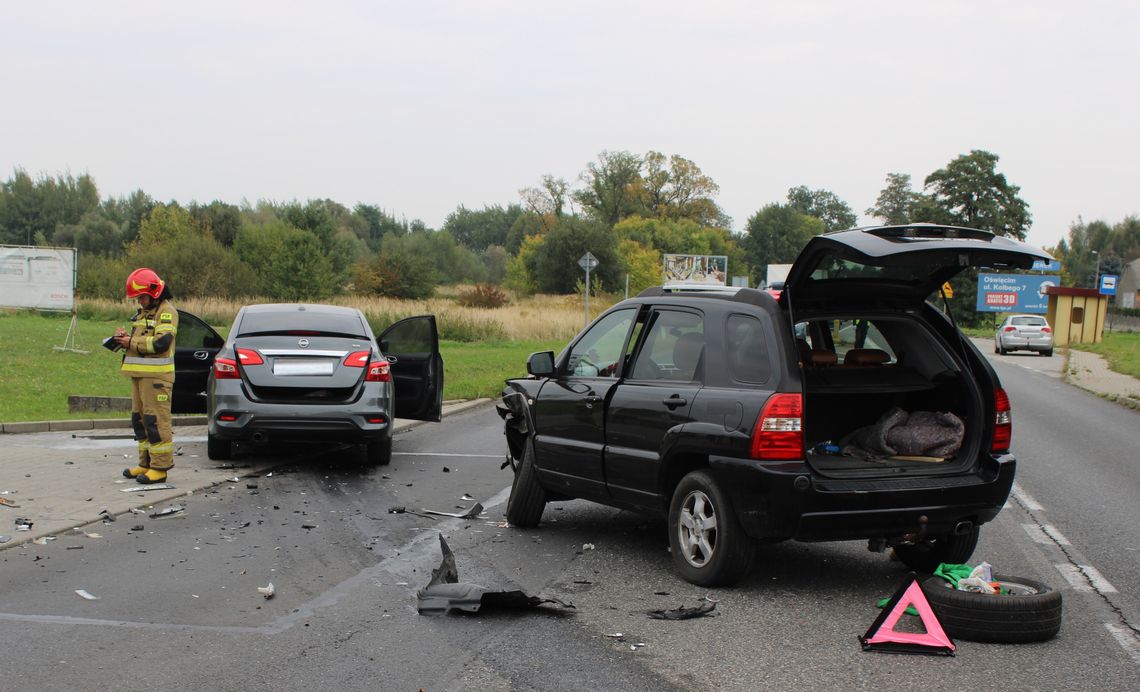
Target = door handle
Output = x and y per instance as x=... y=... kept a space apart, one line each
x=592 y=399
x=675 y=401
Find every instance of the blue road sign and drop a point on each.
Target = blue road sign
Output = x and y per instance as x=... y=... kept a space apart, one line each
x=1014 y=292
x=1046 y=265
x=1108 y=284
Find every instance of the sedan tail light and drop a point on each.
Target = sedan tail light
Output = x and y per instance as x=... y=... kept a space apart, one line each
x=1046 y=330
x=248 y=356
x=378 y=371
x=779 y=429
x=1003 y=423
x=1010 y=329
x=225 y=369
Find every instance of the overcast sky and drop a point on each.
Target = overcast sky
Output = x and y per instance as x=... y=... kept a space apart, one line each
x=419 y=107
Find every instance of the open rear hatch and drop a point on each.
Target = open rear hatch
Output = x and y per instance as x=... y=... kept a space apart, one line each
x=900 y=265
x=861 y=293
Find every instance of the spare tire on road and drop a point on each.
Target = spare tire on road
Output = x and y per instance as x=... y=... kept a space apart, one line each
x=1025 y=611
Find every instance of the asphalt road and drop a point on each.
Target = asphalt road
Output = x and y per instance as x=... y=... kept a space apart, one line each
x=178 y=603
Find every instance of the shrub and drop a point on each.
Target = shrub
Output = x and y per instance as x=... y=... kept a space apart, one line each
x=483 y=296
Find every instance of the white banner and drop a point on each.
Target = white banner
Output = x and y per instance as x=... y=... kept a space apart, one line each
x=41 y=278
x=699 y=269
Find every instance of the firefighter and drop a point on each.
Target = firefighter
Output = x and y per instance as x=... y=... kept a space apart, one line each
x=149 y=362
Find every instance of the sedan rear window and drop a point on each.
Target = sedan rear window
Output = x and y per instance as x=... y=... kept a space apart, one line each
x=1028 y=321
x=299 y=322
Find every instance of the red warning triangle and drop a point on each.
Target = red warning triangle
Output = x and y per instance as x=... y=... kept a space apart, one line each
x=883 y=637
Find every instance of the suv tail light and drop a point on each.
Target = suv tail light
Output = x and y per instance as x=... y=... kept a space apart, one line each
x=379 y=371
x=779 y=432
x=225 y=369
x=1003 y=423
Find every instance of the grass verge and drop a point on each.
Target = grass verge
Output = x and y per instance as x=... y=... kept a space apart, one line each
x=35 y=379
x=1120 y=349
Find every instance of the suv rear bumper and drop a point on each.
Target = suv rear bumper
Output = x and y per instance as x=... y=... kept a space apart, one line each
x=770 y=507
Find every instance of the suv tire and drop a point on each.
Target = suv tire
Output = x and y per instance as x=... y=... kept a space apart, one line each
x=528 y=499
x=708 y=544
x=1029 y=612
x=925 y=556
x=218 y=449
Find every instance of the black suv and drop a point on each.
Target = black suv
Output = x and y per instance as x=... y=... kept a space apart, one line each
x=851 y=408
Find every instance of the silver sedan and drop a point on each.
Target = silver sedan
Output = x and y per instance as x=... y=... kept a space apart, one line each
x=1024 y=333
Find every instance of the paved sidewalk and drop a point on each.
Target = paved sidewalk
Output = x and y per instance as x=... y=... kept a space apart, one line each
x=65 y=482
x=1090 y=371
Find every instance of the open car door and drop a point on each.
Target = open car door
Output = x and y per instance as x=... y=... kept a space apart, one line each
x=195 y=347
x=412 y=348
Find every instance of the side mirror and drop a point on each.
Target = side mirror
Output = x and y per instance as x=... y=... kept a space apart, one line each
x=541 y=364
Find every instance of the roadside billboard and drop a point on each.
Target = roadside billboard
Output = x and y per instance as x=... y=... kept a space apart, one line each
x=41 y=278
x=1014 y=292
x=696 y=269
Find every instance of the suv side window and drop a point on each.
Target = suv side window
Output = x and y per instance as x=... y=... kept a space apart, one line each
x=747 y=349
x=674 y=348
x=600 y=351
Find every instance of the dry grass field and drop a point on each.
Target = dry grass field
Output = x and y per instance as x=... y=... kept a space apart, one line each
x=533 y=318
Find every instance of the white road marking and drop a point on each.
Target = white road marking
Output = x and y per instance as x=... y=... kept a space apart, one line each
x=1085 y=578
x=1026 y=499
x=1056 y=535
x=1037 y=534
x=1098 y=581
x=1127 y=639
x=1073 y=575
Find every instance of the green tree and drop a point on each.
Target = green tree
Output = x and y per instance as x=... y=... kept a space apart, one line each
x=95 y=234
x=519 y=277
x=377 y=224
x=189 y=258
x=776 y=234
x=823 y=205
x=289 y=262
x=676 y=188
x=222 y=220
x=975 y=195
x=479 y=230
x=555 y=269
x=31 y=209
x=128 y=212
x=896 y=202
x=547 y=201
x=643 y=265
x=397 y=271
x=613 y=187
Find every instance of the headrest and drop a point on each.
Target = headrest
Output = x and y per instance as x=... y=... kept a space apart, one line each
x=866 y=356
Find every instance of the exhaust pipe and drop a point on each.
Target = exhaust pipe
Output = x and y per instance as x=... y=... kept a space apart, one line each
x=963 y=527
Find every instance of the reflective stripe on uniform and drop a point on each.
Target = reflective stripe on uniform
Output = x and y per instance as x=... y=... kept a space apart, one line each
x=164 y=448
x=140 y=360
x=149 y=344
x=143 y=445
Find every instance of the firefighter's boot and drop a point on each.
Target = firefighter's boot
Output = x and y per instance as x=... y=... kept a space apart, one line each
x=151 y=476
x=135 y=471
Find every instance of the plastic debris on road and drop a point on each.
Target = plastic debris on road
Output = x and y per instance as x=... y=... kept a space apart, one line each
x=84 y=593
x=7 y=503
x=23 y=524
x=148 y=488
x=683 y=613
x=472 y=513
x=266 y=591
x=168 y=511
x=444 y=593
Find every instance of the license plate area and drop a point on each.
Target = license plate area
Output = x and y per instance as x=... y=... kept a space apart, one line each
x=299 y=367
